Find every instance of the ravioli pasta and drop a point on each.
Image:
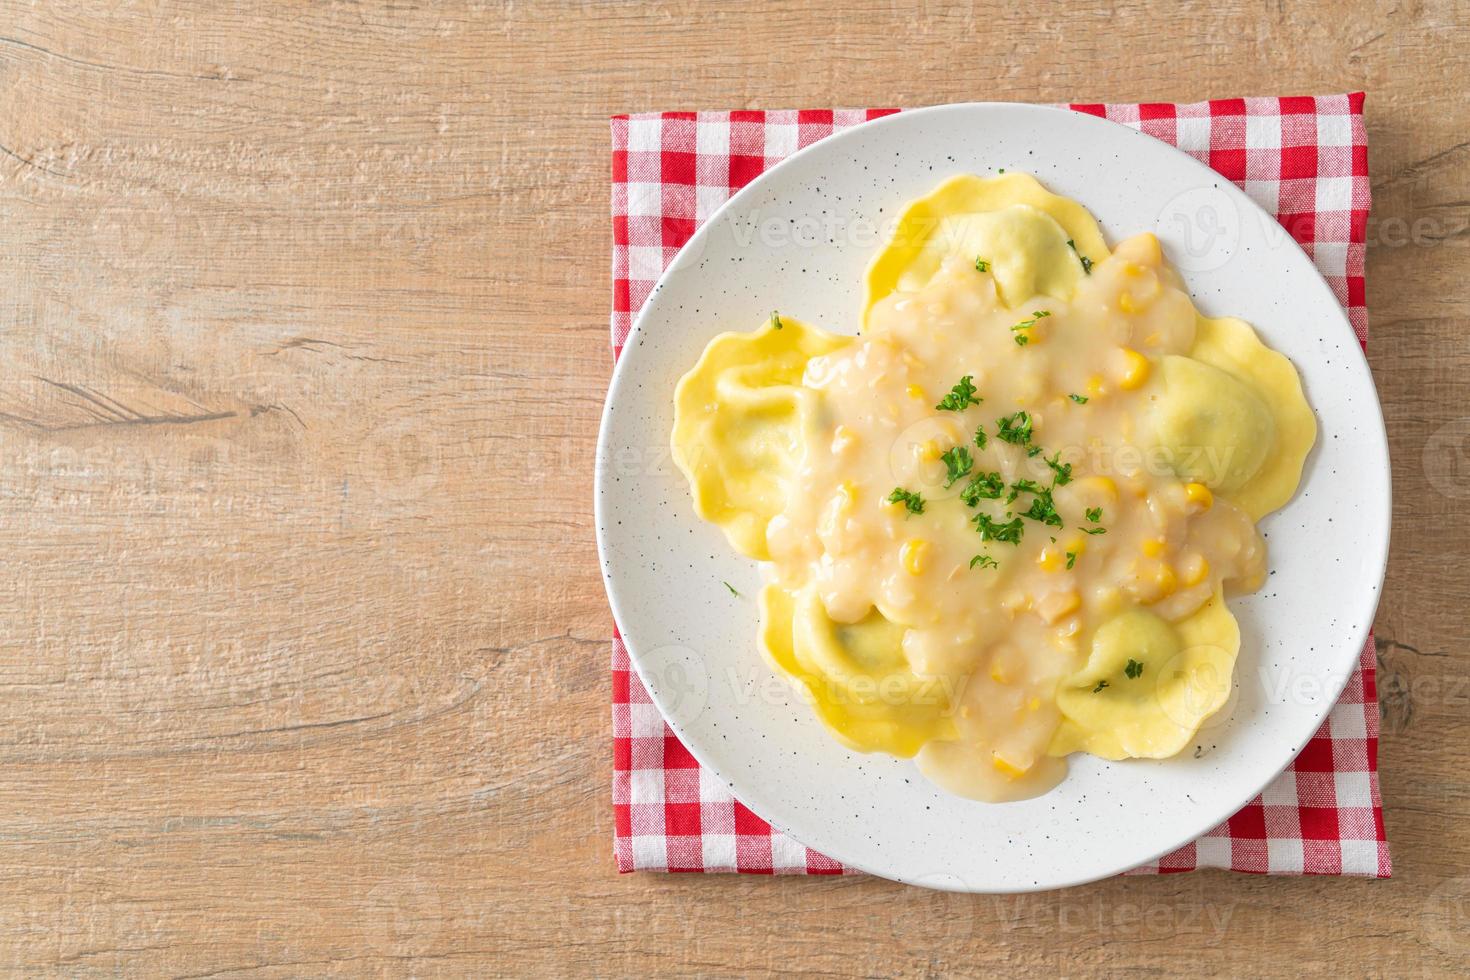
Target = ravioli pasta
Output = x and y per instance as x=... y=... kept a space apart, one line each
x=1000 y=526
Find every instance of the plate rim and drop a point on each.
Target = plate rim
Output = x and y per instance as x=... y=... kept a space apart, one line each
x=1362 y=622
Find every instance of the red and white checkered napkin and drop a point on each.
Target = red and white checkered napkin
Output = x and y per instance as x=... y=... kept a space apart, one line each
x=1305 y=160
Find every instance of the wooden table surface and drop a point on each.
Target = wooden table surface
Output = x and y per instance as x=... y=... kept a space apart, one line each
x=303 y=342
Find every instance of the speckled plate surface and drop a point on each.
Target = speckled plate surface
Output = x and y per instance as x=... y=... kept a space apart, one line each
x=798 y=239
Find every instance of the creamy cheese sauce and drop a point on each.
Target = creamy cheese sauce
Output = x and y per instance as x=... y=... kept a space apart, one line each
x=1006 y=635
x=1009 y=501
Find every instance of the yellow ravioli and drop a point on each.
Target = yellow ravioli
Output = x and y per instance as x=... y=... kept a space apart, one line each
x=739 y=420
x=856 y=675
x=1148 y=684
x=1012 y=223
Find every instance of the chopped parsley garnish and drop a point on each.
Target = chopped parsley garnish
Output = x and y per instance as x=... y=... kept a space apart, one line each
x=1071 y=559
x=1015 y=429
x=960 y=397
x=981 y=265
x=913 y=501
x=980 y=437
x=1023 y=486
x=1134 y=670
x=1094 y=514
x=982 y=486
x=984 y=561
x=992 y=530
x=776 y=320
x=1100 y=686
x=958 y=462
x=1043 y=509
x=1022 y=338
x=731 y=588
x=1079 y=399
x=1086 y=262
x=1094 y=530
x=1062 y=470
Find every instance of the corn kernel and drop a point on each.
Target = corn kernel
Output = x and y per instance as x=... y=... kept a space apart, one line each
x=1135 y=371
x=1199 y=495
x=1166 y=580
x=1077 y=545
x=1059 y=604
x=1153 y=547
x=1010 y=769
x=929 y=450
x=1152 y=340
x=915 y=392
x=1125 y=302
x=843 y=438
x=998 y=674
x=1051 y=558
x=1132 y=269
x=1103 y=484
x=1196 y=570
x=1095 y=385
x=1034 y=704
x=914 y=555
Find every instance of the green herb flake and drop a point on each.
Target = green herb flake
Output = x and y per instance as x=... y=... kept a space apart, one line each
x=982 y=486
x=992 y=530
x=1094 y=514
x=1086 y=262
x=980 y=437
x=1094 y=530
x=981 y=265
x=1071 y=559
x=1134 y=670
x=776 y=320
x=1043 y=509
x=1079 y=399
x=1062 y=470
x=912 y=501
x=1022 y=338
x=960 y=397
x=731 y=588
x=1015 y=429
x=984 y=561
x=1100 y=686
x=958 y=462
x=1023 y=486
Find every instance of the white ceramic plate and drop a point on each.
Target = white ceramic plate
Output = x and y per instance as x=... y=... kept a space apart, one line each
x=798 y=239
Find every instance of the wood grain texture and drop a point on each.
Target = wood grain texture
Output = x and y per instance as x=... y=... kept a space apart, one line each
x=303 y=341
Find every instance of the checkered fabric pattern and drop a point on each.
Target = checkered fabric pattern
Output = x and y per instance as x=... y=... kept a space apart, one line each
x=1305 y=160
